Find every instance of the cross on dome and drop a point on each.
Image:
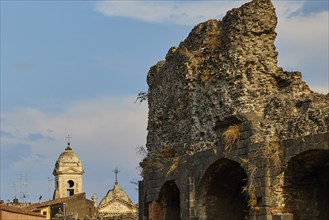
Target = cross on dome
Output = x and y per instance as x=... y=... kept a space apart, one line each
x=68 y=142
x=68 y=139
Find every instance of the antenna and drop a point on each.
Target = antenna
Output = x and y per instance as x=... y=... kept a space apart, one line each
x=20 y=187
x=14 y=187
x=49 y=180
x=23 y=191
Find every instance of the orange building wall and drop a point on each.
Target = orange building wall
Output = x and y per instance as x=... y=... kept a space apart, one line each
x=6 y=215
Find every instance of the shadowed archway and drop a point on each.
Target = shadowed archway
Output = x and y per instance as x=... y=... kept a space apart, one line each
x=170 y=201
x=306 y=186
x=220 y=192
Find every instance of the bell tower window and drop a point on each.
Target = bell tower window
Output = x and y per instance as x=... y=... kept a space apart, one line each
x=70 y=183
x=70 y=190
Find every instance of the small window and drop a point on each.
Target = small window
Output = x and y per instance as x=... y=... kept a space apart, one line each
x=44 y=213
x=70 y=183
x=70 y=192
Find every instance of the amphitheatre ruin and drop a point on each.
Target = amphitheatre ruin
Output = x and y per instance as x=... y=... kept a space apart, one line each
x=231 y=135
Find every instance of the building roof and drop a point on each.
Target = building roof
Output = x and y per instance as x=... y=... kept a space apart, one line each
x=55 y=201
x=116 y=202
x=20 y=210
x=68 y=156
x=114 y=193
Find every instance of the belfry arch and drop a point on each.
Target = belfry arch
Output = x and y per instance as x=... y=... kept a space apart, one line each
x=220 y=192
x=169 y=199
x=306 y=187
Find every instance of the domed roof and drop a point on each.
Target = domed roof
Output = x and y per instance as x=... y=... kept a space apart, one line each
x=69 y=156
x=68 y=161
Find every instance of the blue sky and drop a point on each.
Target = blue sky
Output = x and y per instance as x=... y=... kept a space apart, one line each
x=77 y=66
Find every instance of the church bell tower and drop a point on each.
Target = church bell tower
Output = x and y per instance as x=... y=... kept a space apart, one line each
x=68 y=173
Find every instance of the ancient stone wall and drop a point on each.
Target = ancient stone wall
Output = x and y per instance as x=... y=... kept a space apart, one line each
x=219 y=104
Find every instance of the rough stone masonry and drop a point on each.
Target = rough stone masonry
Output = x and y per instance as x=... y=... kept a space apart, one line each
x=230 y=134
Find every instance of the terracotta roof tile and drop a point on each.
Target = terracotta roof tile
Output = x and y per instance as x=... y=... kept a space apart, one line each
x=21 y=210
x=52 y=202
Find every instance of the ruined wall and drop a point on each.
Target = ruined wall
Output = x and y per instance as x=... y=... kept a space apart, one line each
x=225 y=68
x=220 y=94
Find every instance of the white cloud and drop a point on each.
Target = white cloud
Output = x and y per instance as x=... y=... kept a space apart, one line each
x=302 y=43
x=176 y=12
x=104 y=134
x=303 y=34
x=302 y=40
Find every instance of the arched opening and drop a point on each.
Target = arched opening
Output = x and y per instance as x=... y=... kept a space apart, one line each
x=170 y=201
x=70 y=183
x=70 y=190
x=220 y=192
x=306 y=186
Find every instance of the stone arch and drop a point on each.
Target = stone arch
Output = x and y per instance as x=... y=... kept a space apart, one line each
x=306 y=185
x=169 y=198
x=70 y=183
x=220 y=194
x=70 y=188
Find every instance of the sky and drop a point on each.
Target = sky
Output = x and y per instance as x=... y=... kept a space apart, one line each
x=76 y=67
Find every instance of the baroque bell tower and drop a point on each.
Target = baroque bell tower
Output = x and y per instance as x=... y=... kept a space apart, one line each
x=68 y=173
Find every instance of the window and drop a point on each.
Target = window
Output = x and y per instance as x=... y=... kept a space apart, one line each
x=70 y=192
x=70 y=183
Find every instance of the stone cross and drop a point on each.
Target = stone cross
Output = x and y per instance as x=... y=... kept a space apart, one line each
x=116 y=171
x=68 y=139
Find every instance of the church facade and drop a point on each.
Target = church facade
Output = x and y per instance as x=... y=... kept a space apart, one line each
x=68 y=174
x=117 y=205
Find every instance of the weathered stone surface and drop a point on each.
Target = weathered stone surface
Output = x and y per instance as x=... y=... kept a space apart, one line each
x=220 y=101
x=284 y=216
x=227 y=68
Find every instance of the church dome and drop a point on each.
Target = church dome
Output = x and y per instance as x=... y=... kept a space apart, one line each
x=69 y=156
x=68 y=159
